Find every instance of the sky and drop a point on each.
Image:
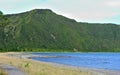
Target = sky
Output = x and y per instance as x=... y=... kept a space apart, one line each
x=93 y=11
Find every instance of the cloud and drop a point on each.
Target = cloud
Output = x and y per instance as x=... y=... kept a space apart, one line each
x=86 y=9
x=81 y=10
x=113 y=3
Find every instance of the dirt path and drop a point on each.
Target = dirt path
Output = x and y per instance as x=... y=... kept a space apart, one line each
x=11 y=70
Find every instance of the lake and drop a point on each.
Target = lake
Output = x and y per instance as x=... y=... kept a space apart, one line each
x=110 y=61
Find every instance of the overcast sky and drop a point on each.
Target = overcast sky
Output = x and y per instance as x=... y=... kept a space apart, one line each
x=100 y=11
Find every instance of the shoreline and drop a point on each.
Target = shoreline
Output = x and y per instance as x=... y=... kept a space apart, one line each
x=83 y=69
x=95 y=71
x=38 y=68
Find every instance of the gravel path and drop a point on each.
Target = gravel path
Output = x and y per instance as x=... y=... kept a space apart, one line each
x=11 y=70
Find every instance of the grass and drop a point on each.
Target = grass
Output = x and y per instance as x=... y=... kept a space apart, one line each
x=2 y=72
x=40 y=68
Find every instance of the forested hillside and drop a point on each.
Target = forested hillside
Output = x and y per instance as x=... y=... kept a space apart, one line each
x=43 y=29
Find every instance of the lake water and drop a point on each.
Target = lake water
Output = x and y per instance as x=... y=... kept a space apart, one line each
x=110 y=61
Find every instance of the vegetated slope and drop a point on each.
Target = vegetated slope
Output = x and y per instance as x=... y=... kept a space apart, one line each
x=44 y=29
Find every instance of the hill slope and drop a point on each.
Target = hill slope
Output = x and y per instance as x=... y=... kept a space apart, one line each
x=42 y=28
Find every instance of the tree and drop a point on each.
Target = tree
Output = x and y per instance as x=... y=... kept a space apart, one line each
x=3 y=23
x=1 y=13
x=3 y=20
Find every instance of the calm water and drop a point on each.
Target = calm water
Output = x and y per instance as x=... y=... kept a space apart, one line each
x=109 y=61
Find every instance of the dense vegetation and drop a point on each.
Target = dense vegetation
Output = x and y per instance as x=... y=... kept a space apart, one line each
x=43 y=29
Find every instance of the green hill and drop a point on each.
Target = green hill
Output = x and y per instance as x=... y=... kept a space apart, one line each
x=44 y=29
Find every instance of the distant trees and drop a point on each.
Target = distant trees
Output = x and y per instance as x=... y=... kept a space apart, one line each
x=47 y=31
x=1 y=13
x=3 y=23
x=3 y=20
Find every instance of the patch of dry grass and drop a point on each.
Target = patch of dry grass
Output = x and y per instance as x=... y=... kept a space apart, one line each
x=39 y=68
x=2 y=72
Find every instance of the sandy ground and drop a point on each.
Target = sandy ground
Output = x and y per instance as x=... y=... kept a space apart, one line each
x=101 y=71
x=92 y=70
x=106 y=72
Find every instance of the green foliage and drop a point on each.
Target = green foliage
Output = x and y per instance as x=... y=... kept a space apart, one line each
x=3 y=20
x=1 y=73
x=11 y=63
x=1 y=13
x=44 y=30
x=27 y=65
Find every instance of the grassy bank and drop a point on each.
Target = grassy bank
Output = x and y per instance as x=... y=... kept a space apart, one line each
x=39 y=68
x=2 y=72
